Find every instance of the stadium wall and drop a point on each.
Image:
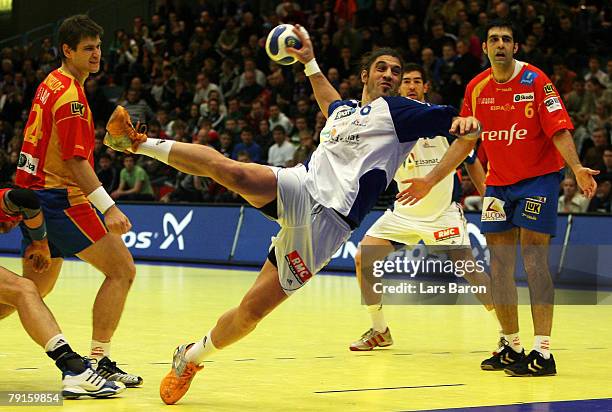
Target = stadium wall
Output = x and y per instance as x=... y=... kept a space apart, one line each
x=239 y=235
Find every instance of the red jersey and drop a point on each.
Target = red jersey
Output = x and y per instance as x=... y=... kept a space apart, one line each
x=518 y=119
x=60 y=127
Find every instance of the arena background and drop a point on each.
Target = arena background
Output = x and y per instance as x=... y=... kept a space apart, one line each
x=167 y=44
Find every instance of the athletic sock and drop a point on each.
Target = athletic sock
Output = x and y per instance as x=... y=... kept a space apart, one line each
x=99 y=349
x=541 y=343
x=201 y=350
x=378 y=318
x=156 y=148
x=514 y=341
x=65 y=358
x=55 y=342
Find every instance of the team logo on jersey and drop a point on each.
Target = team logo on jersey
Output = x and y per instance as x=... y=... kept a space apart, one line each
x=351 y=138
x=485 y=100
x=549 y=89
x=298 y=267
x=553 y=104
x=53 y=83
x=27 y=163
x=523 y=97
x=505 y=135
x=360 y=123
x=446 y=234
x=410 y=161
x=505 y=108
x=77 y=108
x=493 y=210
x=528 y=77
x=427 y=162
x=539 y=199
x=43 y=95
x=344 y=113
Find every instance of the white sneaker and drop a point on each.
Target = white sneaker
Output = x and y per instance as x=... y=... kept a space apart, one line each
x=89 y=383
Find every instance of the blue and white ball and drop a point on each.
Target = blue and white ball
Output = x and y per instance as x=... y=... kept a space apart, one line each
x=281 y=37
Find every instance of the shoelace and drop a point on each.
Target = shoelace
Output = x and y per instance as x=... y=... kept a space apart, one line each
x=368 y=334
x=113 y=366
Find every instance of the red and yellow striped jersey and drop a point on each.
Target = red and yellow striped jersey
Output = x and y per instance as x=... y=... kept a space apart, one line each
x=60 y=127
x=518 y=118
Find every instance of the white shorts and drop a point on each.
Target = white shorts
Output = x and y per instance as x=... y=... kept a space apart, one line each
x=449 y=229
x=310 y=233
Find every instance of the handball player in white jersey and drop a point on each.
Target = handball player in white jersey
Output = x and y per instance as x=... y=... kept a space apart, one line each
x=436 y=220
x=317 y=205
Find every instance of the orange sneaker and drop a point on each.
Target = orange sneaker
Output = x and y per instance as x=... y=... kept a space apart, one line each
x=176 y=383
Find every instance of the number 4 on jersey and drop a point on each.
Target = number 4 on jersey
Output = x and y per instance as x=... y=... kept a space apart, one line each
x=33 y=132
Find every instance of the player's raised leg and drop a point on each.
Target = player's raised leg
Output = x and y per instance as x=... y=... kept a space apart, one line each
x=255 y=183
x=78 y=378
x=505 y=297
x=110 y=256
x=265 y=295
x=534 y=249
x=372 y=249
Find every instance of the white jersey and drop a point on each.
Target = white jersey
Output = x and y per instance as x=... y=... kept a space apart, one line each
x=425 y=155
x=362 y=147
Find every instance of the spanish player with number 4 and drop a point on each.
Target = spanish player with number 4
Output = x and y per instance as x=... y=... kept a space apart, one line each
x=56 y=162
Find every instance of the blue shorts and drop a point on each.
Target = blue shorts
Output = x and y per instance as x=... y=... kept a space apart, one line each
x=70 y=228
x=530 y=203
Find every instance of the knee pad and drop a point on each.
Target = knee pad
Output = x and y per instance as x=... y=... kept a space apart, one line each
x=22 y=201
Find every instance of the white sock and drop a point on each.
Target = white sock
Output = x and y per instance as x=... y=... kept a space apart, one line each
x=55 y=342
x=99 y=349
x=514 y=341
x=378 y=318
x=541 y=343
x=156 y=148
x=201 y=350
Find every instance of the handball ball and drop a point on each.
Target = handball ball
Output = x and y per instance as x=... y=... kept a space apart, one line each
x=281 y=37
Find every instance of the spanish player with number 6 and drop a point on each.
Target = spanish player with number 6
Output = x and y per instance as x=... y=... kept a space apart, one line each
x=526 y=137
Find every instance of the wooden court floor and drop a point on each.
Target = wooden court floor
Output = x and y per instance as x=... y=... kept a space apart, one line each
x=298 y=358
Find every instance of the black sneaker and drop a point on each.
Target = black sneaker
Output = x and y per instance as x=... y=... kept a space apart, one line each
x=110 y=371
x=502 y=358
x=533 y=365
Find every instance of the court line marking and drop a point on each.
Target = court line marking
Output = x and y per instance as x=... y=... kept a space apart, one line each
x=391 y=388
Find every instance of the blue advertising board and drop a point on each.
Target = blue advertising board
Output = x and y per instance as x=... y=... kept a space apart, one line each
x=241 y=235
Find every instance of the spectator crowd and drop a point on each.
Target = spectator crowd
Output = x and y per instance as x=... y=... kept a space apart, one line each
x=200 y=74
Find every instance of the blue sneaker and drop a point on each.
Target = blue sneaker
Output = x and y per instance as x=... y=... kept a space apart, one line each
x=88 y=383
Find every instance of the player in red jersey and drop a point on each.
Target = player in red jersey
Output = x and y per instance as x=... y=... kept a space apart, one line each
x=526 y=137
x=78 y=379
x=56 y=161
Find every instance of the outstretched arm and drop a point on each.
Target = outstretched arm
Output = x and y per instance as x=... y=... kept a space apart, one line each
x=584 y=176
x=468 y=128
x=323 y=90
